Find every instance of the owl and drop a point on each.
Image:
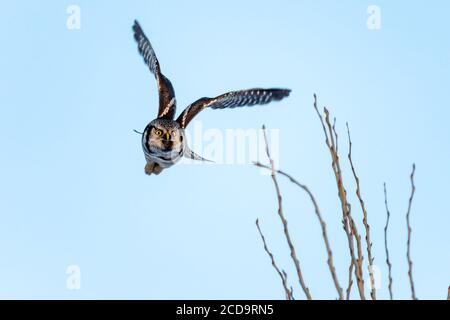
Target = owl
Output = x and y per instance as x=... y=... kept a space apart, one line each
x=163 y=140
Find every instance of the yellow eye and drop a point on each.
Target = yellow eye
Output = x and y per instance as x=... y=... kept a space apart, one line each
x=158 y=132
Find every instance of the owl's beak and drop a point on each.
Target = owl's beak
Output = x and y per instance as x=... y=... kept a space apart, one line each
x=167 y=136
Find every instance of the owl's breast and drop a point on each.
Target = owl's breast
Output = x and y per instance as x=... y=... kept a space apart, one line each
x=166 y=154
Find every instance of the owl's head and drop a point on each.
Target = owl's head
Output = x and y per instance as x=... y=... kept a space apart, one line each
x=165 y=135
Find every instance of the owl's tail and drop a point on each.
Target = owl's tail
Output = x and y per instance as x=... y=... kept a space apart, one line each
x=188 y=153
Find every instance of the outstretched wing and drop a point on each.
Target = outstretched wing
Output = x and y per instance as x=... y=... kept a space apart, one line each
x=167 y=102
x=232 y=99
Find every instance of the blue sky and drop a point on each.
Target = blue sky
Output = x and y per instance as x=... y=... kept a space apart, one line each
x=73 y=190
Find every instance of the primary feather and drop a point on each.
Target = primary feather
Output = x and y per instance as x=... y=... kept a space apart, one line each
x=232 y=99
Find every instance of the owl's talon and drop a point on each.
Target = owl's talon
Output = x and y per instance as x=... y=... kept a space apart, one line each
x=152 y=167
x=157 y=169
x=149 y=168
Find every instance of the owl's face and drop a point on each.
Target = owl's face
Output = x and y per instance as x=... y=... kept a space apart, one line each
x=164 y=140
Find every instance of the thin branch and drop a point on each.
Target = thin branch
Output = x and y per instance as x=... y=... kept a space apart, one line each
x=359 y=260
x=388 y=262
x=408 y=244
x=335 y=135
x=365 y=222
x=350 y=281
x=353 y=228
x=349 y=227
x=448 y=294
x=322 y=224
x=284 y=221
x=282 y=275
x=292 y=290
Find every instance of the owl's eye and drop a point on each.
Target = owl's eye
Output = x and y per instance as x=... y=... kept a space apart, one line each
x=158 y=132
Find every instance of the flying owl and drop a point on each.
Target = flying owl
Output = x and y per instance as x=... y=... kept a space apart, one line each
x=163 y=140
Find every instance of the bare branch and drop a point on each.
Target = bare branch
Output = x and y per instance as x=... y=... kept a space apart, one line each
x=284 y=221
x=335 y=135
x=408 y=244
x=365 y=222
x=350 y=281
x=353 y=228
x=322 y=224
x=388 y=262
x=282 y=275
x=448 y=294
x=349 y=227
x=359 y=260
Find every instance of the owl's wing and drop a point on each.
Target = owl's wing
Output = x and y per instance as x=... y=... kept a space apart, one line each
x=232 y=99
x=167 y=102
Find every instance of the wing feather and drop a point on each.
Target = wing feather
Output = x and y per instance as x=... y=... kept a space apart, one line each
x=231 y=100
x=167 y=102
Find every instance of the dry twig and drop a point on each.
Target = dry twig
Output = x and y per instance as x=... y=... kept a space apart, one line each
x=388 y=262
x=359 y=260
x=349 y=225
x=284 y=221
x=365 y=222
x=322 y=224
x=408 y=243
x=282 y=275
x=350 y=281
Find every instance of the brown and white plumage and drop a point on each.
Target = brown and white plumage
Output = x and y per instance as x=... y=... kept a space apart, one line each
x=231 y=100
x=163 y=140
x=167 y=102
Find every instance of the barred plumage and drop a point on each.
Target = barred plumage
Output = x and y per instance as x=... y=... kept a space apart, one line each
x=167 y=101
x=231 y=100
x=163 y=140
x=145 y=49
